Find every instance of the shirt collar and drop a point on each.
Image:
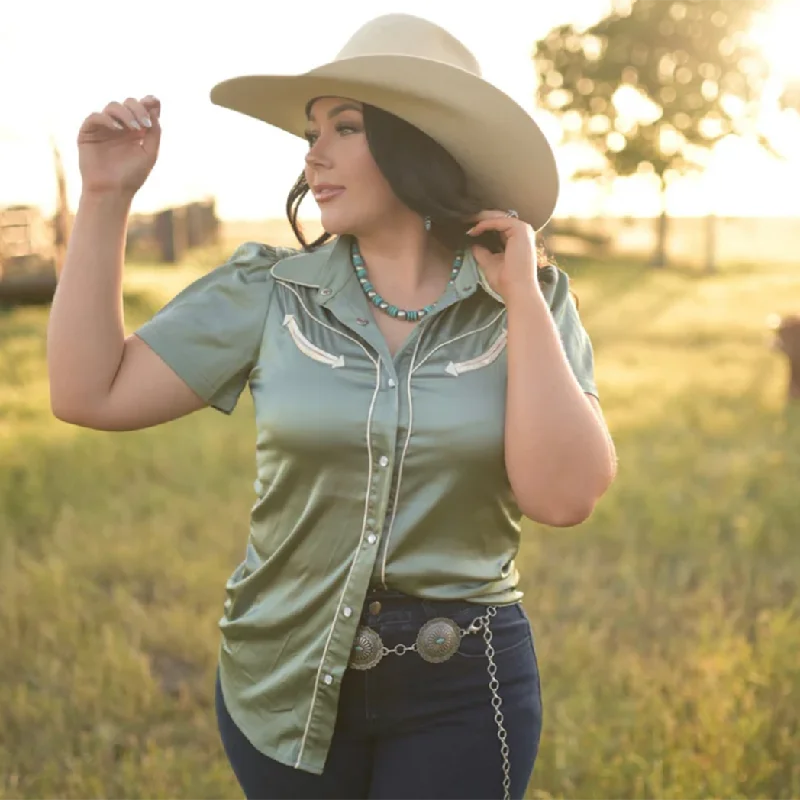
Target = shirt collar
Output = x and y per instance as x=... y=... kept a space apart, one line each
x=328 y=270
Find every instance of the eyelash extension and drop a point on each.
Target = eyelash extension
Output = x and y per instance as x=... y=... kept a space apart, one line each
x=339 y=129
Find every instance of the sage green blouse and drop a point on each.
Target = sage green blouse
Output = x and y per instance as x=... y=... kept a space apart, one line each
x=370 y=470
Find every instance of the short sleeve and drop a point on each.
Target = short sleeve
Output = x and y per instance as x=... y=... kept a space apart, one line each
x=210 y=333
x=574 y=338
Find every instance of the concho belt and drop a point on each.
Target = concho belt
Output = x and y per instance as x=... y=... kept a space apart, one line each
x=438 y=639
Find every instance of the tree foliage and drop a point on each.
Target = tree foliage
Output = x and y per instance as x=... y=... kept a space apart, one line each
x=657 y=82
x=791 y=96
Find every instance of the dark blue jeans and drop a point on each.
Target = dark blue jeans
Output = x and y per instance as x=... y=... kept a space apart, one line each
x=410 y=729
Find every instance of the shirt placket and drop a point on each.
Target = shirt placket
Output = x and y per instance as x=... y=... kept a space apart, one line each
x=382 y=427
x=393 y=397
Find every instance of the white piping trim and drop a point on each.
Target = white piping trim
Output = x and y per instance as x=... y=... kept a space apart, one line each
x=307 y=347
x=457 y=368
x=363 y=524
x=460 y=336
x=400 y=466
x=325 y=324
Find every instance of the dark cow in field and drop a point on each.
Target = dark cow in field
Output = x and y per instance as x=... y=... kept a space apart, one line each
x=787 y=341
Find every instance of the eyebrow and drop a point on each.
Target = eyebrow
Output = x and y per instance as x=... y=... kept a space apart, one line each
x=335 y=110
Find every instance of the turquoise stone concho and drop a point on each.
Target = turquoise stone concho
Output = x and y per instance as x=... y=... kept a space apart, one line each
x=367 y=649
x=438 y=639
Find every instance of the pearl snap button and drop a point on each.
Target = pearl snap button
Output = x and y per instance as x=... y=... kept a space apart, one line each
x=384 y=461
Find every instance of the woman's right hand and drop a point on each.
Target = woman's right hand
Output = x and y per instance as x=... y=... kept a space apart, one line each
x=118 y=147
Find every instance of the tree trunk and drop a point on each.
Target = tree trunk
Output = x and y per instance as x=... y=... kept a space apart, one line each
x=711 y=244
x=659 y=258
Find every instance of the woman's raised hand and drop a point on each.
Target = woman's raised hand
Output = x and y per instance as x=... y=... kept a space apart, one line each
x=118 y=146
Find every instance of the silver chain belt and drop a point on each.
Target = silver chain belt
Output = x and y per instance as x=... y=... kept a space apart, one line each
x=437 y=641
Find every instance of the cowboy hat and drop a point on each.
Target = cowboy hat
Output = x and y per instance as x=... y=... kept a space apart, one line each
x=421 y=73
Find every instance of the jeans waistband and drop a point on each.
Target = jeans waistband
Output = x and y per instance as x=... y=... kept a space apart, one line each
x=389 y=605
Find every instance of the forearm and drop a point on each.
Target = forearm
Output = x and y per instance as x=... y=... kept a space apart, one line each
x=85 y=336
x=559 y=456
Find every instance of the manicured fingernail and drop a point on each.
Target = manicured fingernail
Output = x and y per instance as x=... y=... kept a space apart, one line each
x=119 y=126
x=471 y=231
x=146 y=122
x=135 y=125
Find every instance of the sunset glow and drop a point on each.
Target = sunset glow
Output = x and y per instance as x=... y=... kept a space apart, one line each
x=778 y=36
x=249 y=166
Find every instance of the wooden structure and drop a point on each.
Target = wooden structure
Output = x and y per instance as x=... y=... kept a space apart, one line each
x=169 y=234
x=32 y=248
x=28 y=256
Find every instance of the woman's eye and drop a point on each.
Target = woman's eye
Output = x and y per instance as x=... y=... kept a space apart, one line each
x=312 y=136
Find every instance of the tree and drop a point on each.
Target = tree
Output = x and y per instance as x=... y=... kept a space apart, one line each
x=654 y=85
x=62 y=222
x=791 y=95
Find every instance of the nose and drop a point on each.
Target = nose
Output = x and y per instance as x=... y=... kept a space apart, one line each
x=316 y=155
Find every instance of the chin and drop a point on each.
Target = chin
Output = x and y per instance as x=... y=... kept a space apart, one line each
x=335 y=223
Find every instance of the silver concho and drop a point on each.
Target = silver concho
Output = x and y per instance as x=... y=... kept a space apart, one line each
x=438 y=639
x=367 y=649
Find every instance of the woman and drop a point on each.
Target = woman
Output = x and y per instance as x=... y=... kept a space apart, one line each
x=373 y=642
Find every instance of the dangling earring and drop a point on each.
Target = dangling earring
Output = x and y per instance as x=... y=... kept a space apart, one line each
x=427 y=223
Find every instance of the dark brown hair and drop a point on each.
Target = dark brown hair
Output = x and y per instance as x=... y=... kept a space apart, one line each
x=423 y=176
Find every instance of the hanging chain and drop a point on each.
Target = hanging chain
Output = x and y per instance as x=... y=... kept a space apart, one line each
x=494 y=685
x=478 y=624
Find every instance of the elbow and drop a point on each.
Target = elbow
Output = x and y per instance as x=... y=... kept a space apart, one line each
x=565 y=495
x=572 y=516
x=564 y=515
x=563 y=510
x=70 y=412
x=58 y=408
x=63 y=413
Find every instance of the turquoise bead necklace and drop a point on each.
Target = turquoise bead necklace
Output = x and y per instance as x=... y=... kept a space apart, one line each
x=379 y=302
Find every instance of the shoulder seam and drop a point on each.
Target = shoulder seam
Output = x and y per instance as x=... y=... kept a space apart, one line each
x=254 y=260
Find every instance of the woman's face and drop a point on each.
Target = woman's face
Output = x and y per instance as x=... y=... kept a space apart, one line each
x=351 y=192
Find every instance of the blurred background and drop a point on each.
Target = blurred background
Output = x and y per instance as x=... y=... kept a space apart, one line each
x=667 y=626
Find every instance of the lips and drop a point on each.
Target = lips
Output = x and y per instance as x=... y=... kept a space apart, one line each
x=325 y=192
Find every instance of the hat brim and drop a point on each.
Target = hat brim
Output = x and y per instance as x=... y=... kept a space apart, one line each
x=498 y=144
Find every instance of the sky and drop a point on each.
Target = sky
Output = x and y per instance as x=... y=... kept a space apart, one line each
x=60 y=62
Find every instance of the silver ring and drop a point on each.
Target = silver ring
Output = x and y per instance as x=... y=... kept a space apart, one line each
x=512 y=213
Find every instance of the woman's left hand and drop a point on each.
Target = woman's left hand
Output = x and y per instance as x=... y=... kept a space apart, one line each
x=513 y=271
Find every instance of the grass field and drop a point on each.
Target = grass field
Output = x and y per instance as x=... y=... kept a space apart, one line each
x=667 y=626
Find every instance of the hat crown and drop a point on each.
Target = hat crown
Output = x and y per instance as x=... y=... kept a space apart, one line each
x=407 y=35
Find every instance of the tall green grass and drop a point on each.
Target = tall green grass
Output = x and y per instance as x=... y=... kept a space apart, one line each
x=667 y=627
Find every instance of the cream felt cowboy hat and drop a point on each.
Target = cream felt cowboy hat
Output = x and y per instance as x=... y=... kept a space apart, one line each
x=424 y=75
